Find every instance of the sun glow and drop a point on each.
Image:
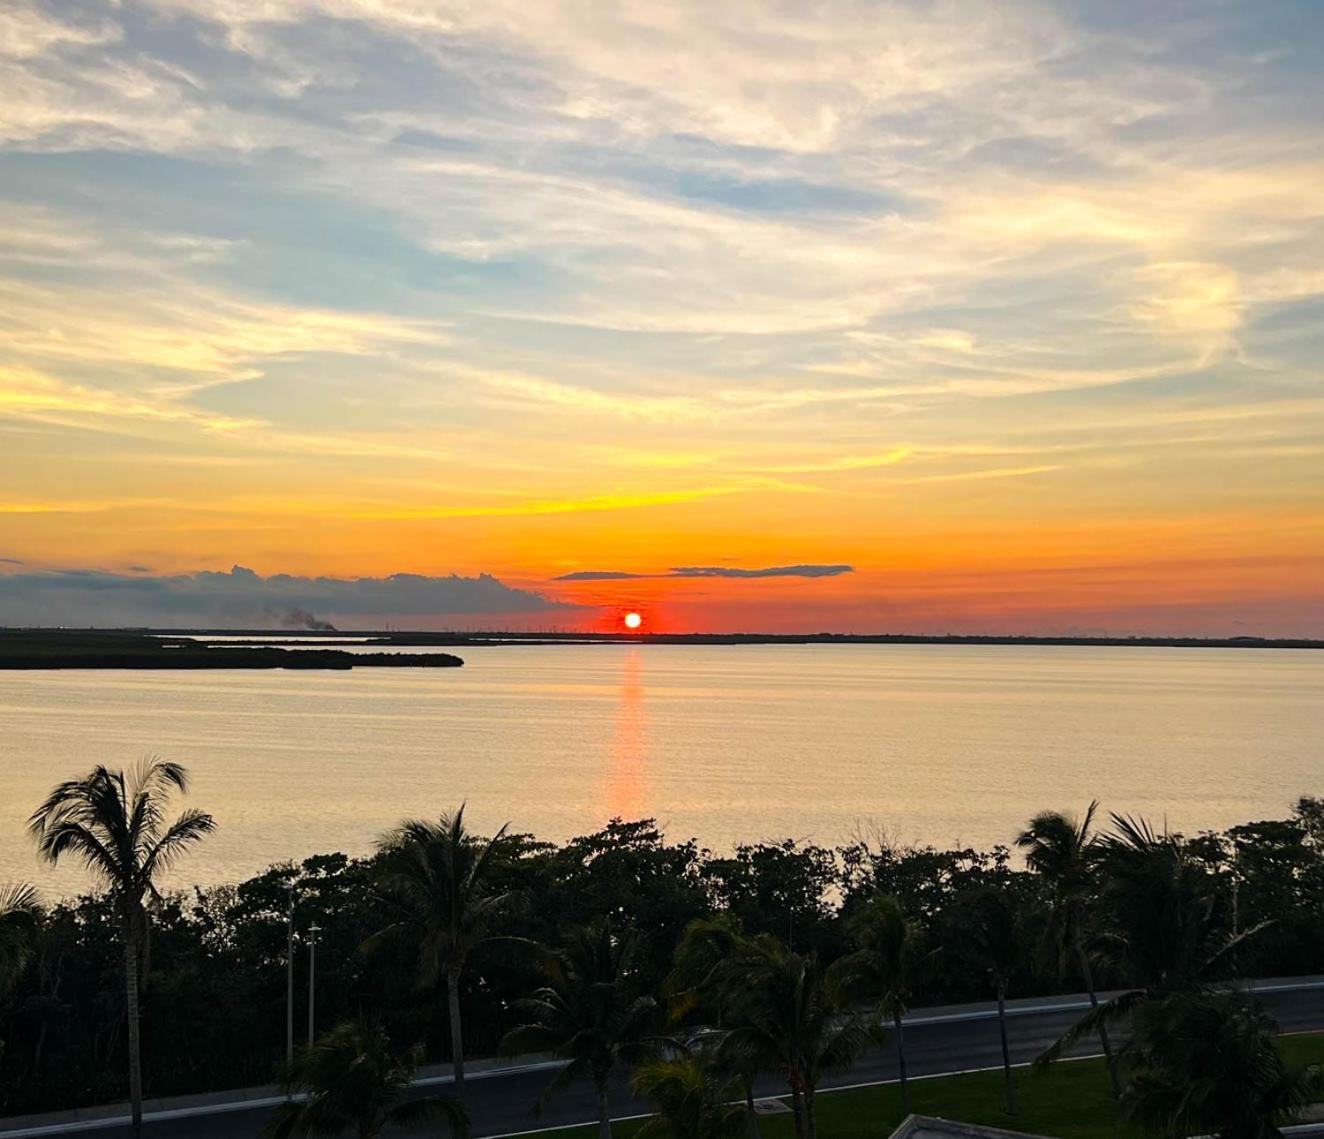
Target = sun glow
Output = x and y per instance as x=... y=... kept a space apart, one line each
x=633 y=620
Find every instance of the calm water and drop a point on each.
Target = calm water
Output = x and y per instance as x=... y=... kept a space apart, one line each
x=728 y=743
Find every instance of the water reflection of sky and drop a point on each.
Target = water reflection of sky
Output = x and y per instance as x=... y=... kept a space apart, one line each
x=729 y=744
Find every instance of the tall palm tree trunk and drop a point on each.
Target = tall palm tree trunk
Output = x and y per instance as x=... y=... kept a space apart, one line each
x=811 y=1124
x=604 y=1116
x=798 y=1111
x=901 y=1061
x=131 y=1010
x=457 y=1034
x=1009 y=1088
x=1103 y=1028
x=751 y=1116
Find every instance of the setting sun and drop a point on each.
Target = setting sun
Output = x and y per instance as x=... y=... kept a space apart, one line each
x=633 y=620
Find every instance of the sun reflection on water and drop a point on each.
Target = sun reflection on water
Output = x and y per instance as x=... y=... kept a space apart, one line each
x=627 y=782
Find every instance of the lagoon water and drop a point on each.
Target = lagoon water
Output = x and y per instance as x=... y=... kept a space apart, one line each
x=940 y=744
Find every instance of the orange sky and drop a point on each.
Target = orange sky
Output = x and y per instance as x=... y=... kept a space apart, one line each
x=1016 y=313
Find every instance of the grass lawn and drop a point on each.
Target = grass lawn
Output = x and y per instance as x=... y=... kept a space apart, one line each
x=1070 y=1101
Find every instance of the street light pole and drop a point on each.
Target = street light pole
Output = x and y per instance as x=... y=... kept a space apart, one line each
x=289 y=974
x=313 y=931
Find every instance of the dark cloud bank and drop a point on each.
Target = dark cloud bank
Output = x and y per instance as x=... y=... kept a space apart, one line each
x=710 y=571
x=242 y=598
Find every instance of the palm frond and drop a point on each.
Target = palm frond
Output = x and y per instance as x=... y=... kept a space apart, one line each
x=190 y=828
x=1107 y=1012
x=431 y=1109
x=285 y=1122
x=1235 y=942
x=70 y=837
x=1133 y=833
x=19 y=899
x=1208 y=1061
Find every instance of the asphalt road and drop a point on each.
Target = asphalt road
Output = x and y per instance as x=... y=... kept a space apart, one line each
x=937 y=1041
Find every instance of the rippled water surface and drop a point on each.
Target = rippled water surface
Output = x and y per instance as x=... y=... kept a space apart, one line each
x=726 y=743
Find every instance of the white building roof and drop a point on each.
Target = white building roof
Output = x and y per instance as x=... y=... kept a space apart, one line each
x=933 y=1127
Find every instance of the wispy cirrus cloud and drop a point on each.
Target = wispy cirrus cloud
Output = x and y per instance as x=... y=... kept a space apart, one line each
x=730 y=572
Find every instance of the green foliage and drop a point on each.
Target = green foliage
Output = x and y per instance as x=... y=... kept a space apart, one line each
x=778 y=1013
x=20 y=920
x=626 y=873
x=984 y=931
x=1070 y=1101
x=1064 y=853
x=115 y=824
x=590 y=1010
x=1208 y=1063
x=214 y=1000
x=888 y=952
x=692 y=1098
x=1168 y=931
x=352 y=1079
x=436 y=878
x=779 y=889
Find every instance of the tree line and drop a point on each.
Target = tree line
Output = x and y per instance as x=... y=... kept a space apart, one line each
x=627 y=954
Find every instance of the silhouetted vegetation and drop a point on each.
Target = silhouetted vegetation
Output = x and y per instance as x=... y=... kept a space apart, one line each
x=437 y=878
x=353 y=1079
x=776 y=958
x=115 y=825
x=591 y=1009
x=1207 y=1063
x=119 y=650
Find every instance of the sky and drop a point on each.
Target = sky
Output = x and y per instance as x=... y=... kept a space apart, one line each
x=874 y=317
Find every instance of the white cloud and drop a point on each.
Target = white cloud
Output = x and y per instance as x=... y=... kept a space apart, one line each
x=869 y=221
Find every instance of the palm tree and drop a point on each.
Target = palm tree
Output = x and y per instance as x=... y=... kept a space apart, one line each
x=1207 y=1063
x=116 y=825
x=1064 y=853
x=19 y=913
x=784 y=1018
x=1165 y=929
x=707 y=975
x=691 y=1098
x=350 y=1079
x=1162 y=904
x=888 y=951
x=589 y=1011
x=984 y=923
x=437 y=877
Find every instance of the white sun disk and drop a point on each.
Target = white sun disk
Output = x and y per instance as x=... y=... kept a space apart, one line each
x=633 y=620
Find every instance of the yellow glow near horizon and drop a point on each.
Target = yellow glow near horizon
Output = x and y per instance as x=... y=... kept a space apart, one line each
x=1028 y=347
x=633 y=620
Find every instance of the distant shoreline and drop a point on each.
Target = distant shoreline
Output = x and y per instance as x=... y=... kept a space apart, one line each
x=490 y=639
x=119 y=642
x=29 y=650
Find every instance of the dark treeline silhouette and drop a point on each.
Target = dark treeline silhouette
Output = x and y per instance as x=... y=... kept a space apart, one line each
x=120 y=649
x=442 y=944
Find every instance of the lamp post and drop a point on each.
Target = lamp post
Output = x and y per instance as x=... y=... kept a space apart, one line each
x=313 y=931
x=289 y=974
